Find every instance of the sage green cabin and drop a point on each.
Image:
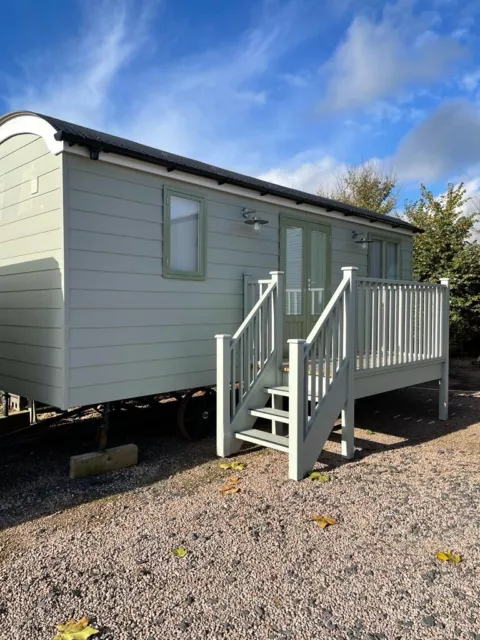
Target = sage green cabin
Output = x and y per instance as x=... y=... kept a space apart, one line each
x=119 y=263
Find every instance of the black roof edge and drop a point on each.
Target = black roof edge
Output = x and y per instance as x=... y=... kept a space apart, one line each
x=97 y=142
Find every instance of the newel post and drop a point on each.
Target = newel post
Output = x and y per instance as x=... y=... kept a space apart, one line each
x=445 y=346
x=224 y=363
x=278 y=277
x=349 y=345
x=298 y=404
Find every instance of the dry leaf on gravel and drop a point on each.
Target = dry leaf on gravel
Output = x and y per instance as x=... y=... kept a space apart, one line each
x=180 y=552
x=369 y=431
x=235 y=466
x=72 y=630
x=318 y=476
x=324 y=521
x=230 y=487
x=448 y=556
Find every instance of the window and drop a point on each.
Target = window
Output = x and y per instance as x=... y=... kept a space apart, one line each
x=184 y=236
x=384 y=259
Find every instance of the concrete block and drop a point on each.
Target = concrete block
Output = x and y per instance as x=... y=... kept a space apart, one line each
x=91 y=464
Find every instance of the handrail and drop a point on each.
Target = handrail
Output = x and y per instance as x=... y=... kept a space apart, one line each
x=326 y=312
x=394 y=282
x=254 y=310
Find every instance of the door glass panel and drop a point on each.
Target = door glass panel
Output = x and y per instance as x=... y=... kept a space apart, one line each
x=318 y=272
x=294 y=271
x=375 y=262
x=392 y=260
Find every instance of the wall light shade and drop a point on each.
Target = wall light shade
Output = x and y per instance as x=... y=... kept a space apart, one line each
x=362 y=239
x=253 y=220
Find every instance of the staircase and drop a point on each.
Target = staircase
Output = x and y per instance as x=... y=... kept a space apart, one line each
x=374 y=335
x=250 y=373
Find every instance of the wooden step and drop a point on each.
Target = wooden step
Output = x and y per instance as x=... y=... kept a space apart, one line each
x=271 y=414
x=278 y=391
x=264 y=439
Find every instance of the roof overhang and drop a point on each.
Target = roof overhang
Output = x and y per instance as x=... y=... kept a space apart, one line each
x=57 y=132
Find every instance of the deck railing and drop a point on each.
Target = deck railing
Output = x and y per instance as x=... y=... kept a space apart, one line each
x=399 y=322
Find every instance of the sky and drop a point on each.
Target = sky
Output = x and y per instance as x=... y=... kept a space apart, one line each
x=291 y=91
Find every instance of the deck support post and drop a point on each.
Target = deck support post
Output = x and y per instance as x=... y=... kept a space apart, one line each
x=443 y=382
x=298 y=405
x=349 y=324
x=278 y=428
x=104 y=427
x=32 y=409
x=5 y=403
x=225 y=444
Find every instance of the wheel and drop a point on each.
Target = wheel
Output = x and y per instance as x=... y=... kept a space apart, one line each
x=197 y=414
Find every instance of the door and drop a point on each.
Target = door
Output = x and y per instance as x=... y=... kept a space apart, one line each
x=305 y=259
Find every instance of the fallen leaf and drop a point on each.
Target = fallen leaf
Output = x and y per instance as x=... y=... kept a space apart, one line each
x=448 y=556
x=238 y=466
x=228 y=491
x=72 y=630
x=225 y=465
x=230 y=487
x=180 y=552
x=318 y=476
x=369 y=431
x=324 y=521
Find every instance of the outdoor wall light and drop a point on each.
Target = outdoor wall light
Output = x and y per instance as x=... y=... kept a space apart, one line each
x=252 y=219
x=361 y=238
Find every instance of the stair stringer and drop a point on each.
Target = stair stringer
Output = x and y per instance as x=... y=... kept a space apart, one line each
x=256 y=397
x=327 y=414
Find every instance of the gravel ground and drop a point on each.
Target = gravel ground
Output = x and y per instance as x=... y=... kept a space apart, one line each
x=257 y=565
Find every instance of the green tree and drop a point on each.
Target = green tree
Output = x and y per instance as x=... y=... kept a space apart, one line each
x=364 y=185
x=447 y=249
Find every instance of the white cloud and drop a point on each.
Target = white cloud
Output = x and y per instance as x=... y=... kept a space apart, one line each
x=74 y=83
x=470 y=81
x=306 y=174
x=379 y=60
x=446 y=142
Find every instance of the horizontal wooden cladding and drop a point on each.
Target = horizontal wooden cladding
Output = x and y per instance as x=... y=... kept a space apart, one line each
x=101 y=242
x=92 y=318
x=38 y=390
x=14 y=144
x=231 y=242
x=41 y=374
x=83 y=299
x=114 y=262
x=235 y=225
x=36 y=205
x=49 y=261
x=93 y=182
x=229 y=257
x=119 y=336
x=35 y=336
x=50 y=357
x=32 y=244
x=48 y=318
x=86 y=376
x=48 y=182
x=114 y=225
x=47 y=299
x=92 y=280
x=110 y=205
x=110 y=391
x=41 y=280
x=20 y=151
x=31 y=169
x=120 y=354
x=42 y=223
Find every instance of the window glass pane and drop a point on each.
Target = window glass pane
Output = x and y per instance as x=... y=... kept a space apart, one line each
x=392 y=260
x=317 y=275
x=293 y=269
x=184 y=234
x=376 y=259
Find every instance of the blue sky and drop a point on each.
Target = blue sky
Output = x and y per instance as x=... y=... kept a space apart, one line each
x=289 y=90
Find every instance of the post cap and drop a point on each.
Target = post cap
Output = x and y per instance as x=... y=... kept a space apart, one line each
x=445 y=281
x=296 y=340
x=276 y=273
x=349 y=268
x=222 y=336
